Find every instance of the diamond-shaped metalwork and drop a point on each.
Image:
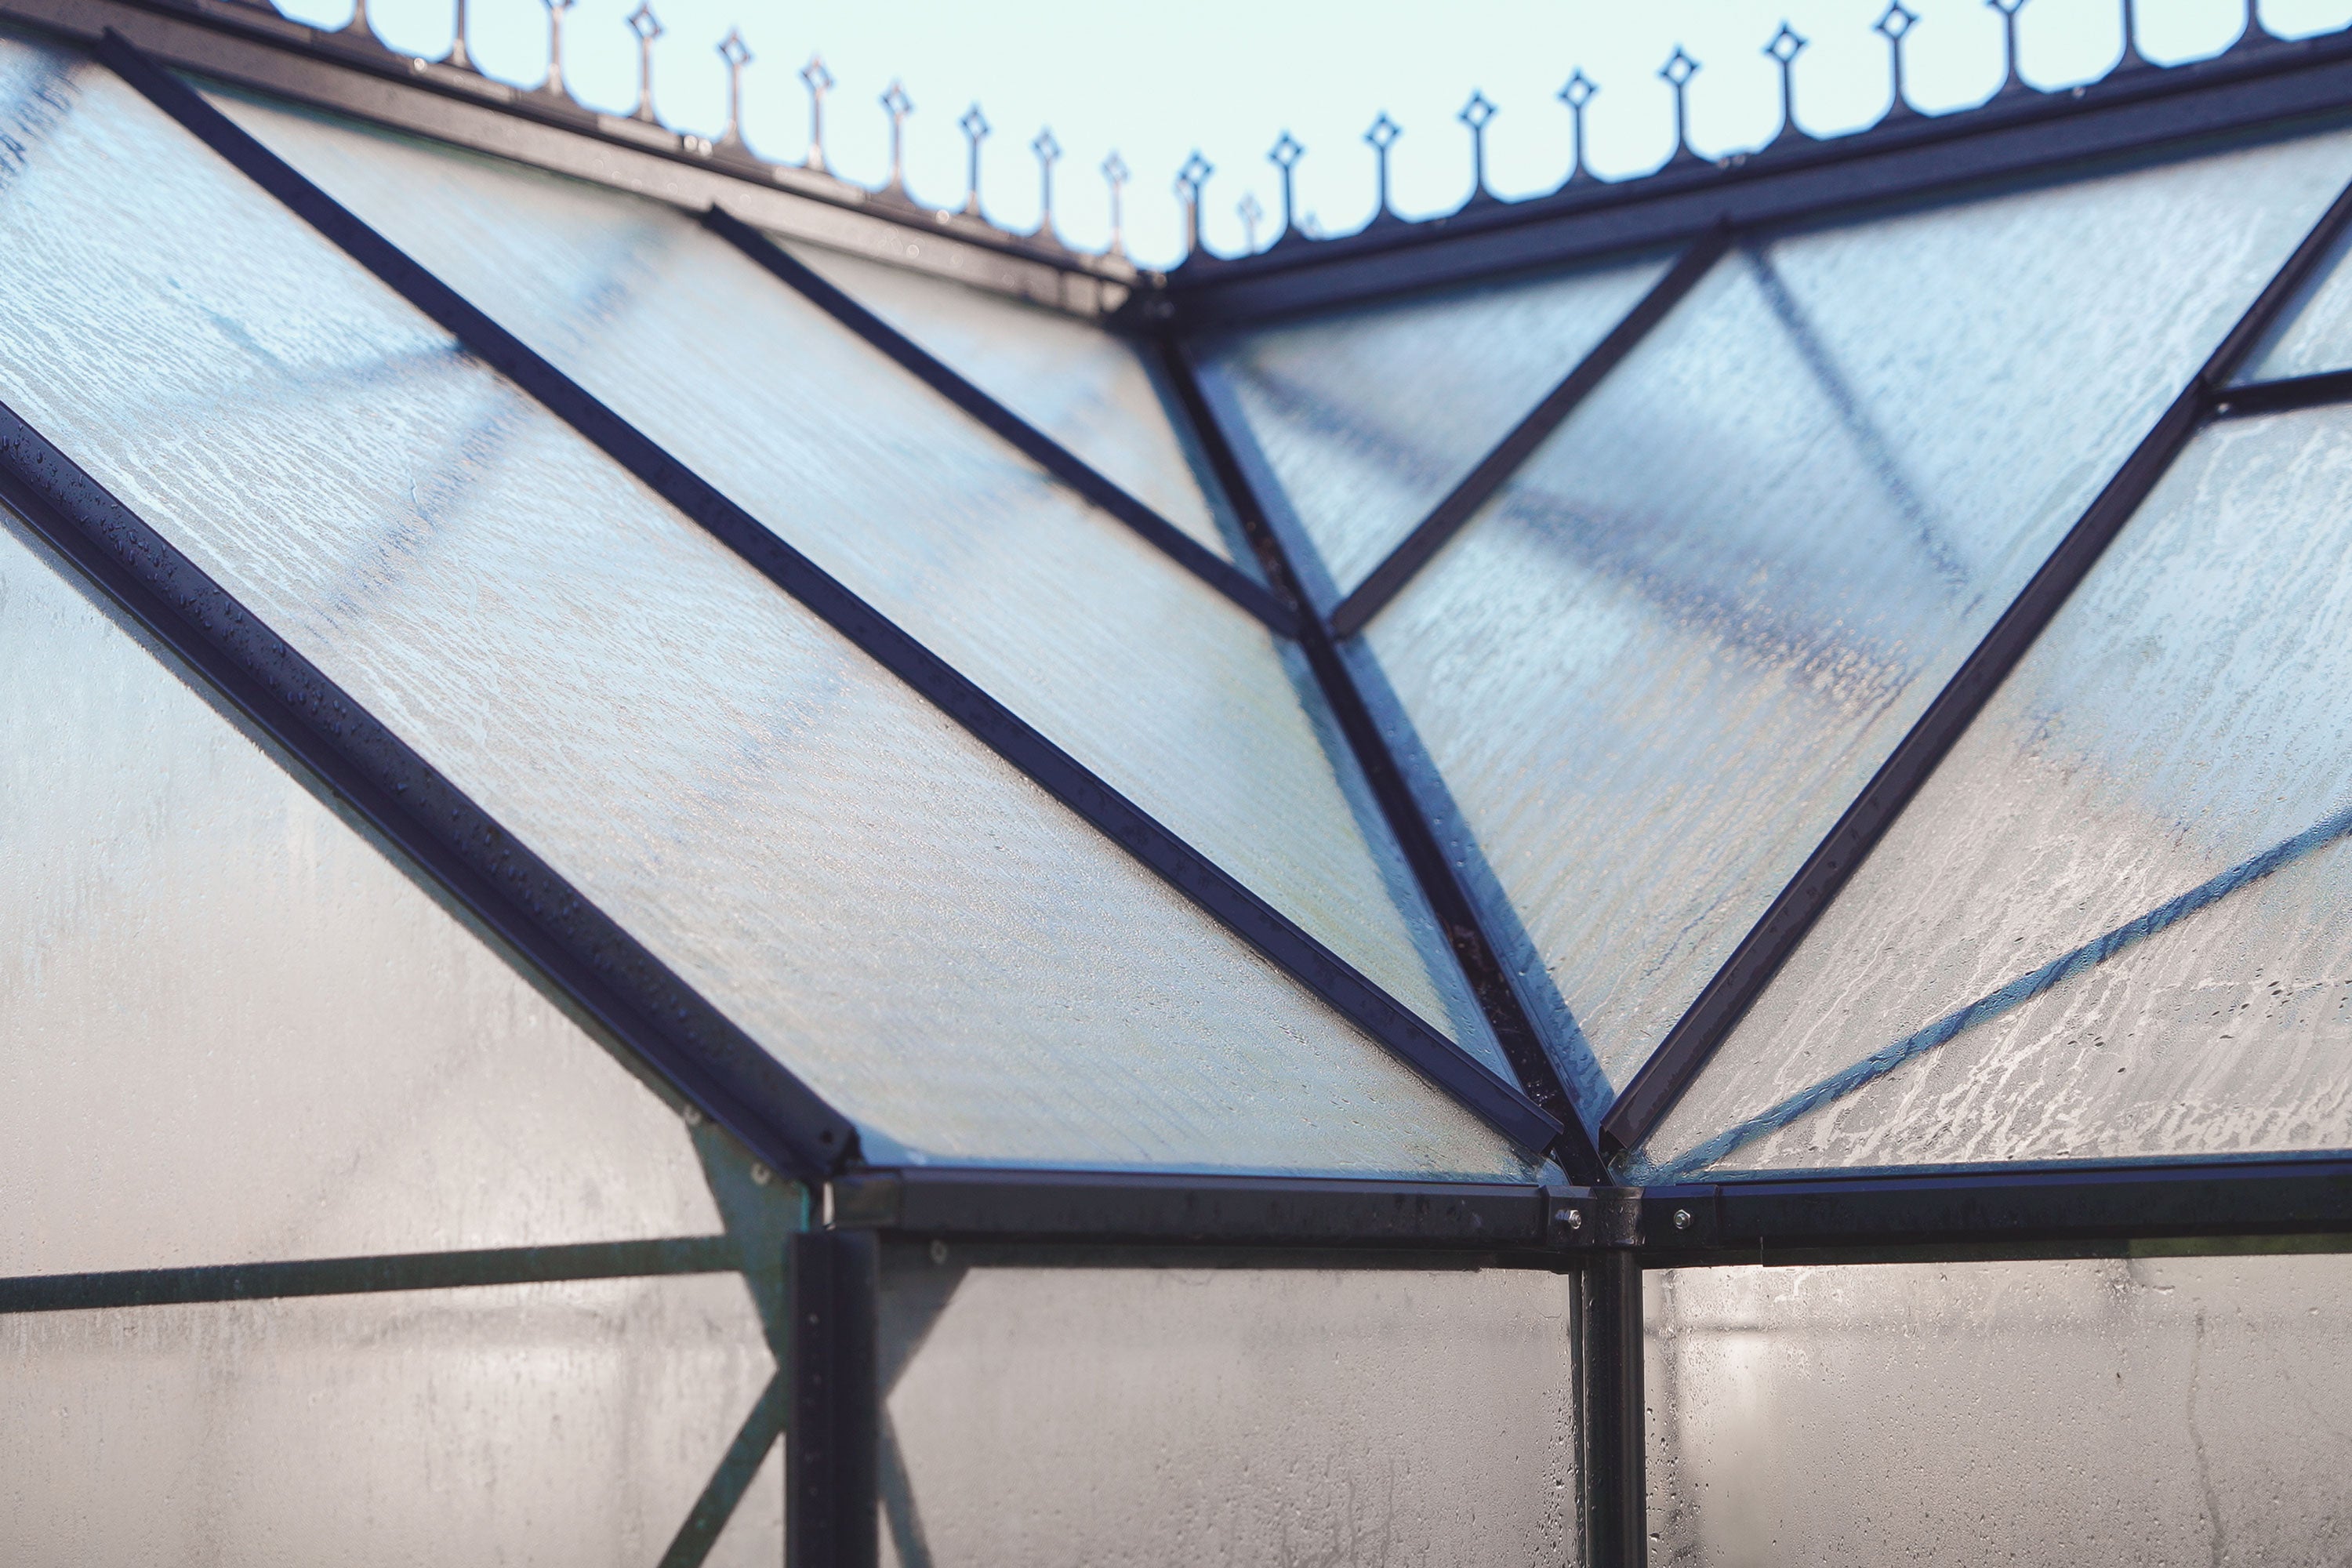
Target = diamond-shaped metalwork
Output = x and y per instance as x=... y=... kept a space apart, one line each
x=1786 y=44
x=896 y=100
x=2007 y=7
x=1115 y=169
x=1045 y=147
x=819 y=80
x=1385 y=132
x=1194 y=175
x=733 y=49
x=1287 y=149
x=1897 y=20
x=643 y=23
x=1679 y=67
x=1579 y=91
x=1251 y=214
x=975 y=124
x=1477 y=111
x=1115 y=173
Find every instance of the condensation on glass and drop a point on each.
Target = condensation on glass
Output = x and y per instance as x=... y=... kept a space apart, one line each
x=2117 y=920
x=1369 y=417
x=2158 y=1410
x=936 y=946
x=2315 y=332
x=234 y=1030
x=1651 y=675
x=1156 y=681
x=1089 y=390
x=559 y=1424
x=1136 y=1417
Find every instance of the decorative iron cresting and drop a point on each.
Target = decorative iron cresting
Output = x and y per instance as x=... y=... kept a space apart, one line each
x=1896 y=25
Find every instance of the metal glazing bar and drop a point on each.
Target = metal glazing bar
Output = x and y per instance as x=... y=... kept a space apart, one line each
x=1522 y=1046
x=582 y=951
x=366 y=1276
x=1609 y=1370
x=1355 y=612
x=1445 y=1064
x=733 y=1478
x=1033 y=443
x=2281 y=397
x=831 y=1440
x=1694 y=1036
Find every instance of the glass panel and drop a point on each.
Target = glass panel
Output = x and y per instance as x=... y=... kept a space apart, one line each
x=2155 y=1410
x=936 y=946
x=2117 y=920
x=1086 y=388
x=1655 y=670
x=564 y=1424
x=1145 y=674
x=754 y=1536
x=1369 y=419
x=219 y=989
x=2314 y=333
x=1134 y=1416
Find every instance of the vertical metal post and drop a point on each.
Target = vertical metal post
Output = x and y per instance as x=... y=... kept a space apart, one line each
x=830 y=1445
x=1616 y=1533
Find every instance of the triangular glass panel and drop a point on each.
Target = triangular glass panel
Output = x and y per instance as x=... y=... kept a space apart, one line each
x=235 y=1031
x=2314 y=334
x=926 y=937
x=1367 y=418
x=1155 y=682
x=1647 y=678
x=1091 y=390
x=2117 y=920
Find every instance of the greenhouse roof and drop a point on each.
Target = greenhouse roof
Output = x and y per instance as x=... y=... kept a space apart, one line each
x=1785 y=707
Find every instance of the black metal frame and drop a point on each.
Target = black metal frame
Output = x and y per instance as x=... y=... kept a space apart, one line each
x=1207 y=885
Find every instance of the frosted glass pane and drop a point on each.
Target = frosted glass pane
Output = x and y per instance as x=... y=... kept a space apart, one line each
x=2316 y=333
x=1655 y=670
x=217 y=989
x=2117 y=920
x=2160 y=1411
x=566 y=1425
x=1126 y=1417
x=754 y=1536
x=1087 y=389
x=1147 y=676
x=936 y=946
x=1369 y=419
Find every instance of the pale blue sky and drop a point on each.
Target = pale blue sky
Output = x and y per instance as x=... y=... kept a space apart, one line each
x=1228 y=76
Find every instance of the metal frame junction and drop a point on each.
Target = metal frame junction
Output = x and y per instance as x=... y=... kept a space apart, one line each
x=1602 y=1236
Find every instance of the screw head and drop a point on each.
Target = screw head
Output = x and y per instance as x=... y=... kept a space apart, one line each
x=1575 y=1219
x=1384 y=132
x=1579 y=91
x=643 y=23
x=1786 y=44
x=760 y=1174
x=1682 y=1219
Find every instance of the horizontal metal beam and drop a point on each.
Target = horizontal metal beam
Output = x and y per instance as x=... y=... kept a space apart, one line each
x=1033 y=443
x=1215 y=891
x=1113 y=1209
x=366 y=1276
x=2133 y=112
x=2027 y=1209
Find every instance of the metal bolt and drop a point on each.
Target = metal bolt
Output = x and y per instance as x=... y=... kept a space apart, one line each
x=1682 y=1219
x=693 y=1115
x=1575 y=1219
x=760 y=1175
